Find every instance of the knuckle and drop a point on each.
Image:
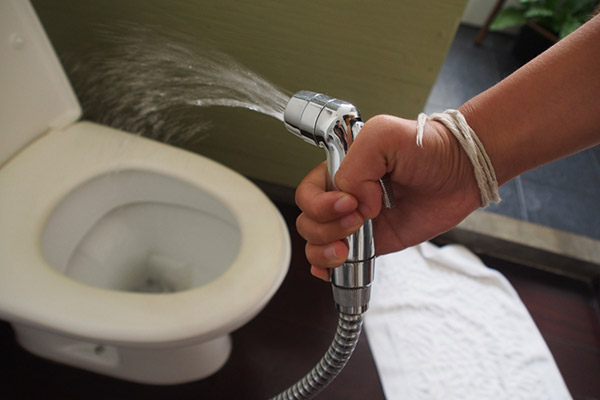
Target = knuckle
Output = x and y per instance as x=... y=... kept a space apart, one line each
x=319 y=236
x=382 y=120
x=311 y=231
x=301 y=226
x=299 y=195
x=312 y=255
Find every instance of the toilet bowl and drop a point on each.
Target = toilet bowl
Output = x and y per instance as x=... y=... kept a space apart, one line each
x=119 y=254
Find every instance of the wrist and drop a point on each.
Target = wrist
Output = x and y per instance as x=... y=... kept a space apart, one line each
x=460 y=173
x=494 y=143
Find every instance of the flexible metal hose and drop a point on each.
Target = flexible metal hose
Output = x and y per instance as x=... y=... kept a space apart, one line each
x=340 y=350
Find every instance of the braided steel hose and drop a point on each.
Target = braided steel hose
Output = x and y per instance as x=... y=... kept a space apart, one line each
x=338 y=354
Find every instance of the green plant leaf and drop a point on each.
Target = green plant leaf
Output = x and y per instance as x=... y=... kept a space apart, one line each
x=576 y=6
x=510 y=16
x=569 y=25
x=538 y=12
x=553 y=4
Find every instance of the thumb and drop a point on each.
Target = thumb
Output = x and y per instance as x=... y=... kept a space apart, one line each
x=369 y=158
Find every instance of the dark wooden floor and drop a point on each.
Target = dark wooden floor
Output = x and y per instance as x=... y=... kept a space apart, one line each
x=568 y=316
x=283 y=342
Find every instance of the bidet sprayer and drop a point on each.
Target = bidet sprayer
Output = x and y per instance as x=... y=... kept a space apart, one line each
x=333 y=125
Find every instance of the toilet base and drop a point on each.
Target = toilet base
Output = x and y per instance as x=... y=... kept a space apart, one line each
x=150 y=365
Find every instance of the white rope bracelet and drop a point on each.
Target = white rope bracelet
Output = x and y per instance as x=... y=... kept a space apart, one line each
x=482 y=166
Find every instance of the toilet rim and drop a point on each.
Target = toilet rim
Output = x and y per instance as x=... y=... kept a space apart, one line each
x=39 y=182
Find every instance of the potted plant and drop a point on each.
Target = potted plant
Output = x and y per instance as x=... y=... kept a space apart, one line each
x=543 y=22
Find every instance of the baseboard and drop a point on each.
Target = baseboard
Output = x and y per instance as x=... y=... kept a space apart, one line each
x=529 y=244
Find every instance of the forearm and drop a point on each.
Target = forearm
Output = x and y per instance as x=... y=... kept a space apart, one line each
x=546 y=110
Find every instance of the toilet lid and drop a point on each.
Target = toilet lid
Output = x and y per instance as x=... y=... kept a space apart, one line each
x=35 y=93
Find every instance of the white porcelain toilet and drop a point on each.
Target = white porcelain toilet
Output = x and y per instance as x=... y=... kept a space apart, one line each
x=118 y=254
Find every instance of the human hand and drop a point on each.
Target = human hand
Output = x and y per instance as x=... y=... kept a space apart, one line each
x=434 y=189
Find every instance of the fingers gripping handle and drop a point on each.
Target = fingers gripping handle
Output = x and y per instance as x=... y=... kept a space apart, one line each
x=333 y=125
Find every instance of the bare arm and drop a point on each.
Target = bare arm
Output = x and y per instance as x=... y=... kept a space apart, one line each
x=546 y=110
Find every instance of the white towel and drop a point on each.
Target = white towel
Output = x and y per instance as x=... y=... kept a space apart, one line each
x=442 y=325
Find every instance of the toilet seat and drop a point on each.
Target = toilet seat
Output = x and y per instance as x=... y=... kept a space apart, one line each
x=36 y=180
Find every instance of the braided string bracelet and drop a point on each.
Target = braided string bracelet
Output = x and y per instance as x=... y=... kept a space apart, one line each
x=482 y=166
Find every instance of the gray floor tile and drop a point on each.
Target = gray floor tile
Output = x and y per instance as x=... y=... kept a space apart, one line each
x=596 y=154
x=577 y=173
x=562 y=209
x=563 y=195
x=467 y=71
x=512 y=204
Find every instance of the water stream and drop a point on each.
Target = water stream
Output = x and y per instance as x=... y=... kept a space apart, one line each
x=144 y=81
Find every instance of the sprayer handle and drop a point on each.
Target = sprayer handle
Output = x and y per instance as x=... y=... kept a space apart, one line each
x=352 y=280
x=333 y=125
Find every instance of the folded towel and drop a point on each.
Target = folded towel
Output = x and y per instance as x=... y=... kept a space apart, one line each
x=442 y=325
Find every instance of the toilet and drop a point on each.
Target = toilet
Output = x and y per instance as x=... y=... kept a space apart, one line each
x=118 y=254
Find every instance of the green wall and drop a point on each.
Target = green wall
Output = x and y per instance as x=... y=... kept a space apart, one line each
x=383 y=56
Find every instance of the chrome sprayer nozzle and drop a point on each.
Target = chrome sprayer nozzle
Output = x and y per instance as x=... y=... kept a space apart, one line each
x=324 y=122
x=333 y=125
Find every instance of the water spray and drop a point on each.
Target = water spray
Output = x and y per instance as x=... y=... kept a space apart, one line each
x=182 y=76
